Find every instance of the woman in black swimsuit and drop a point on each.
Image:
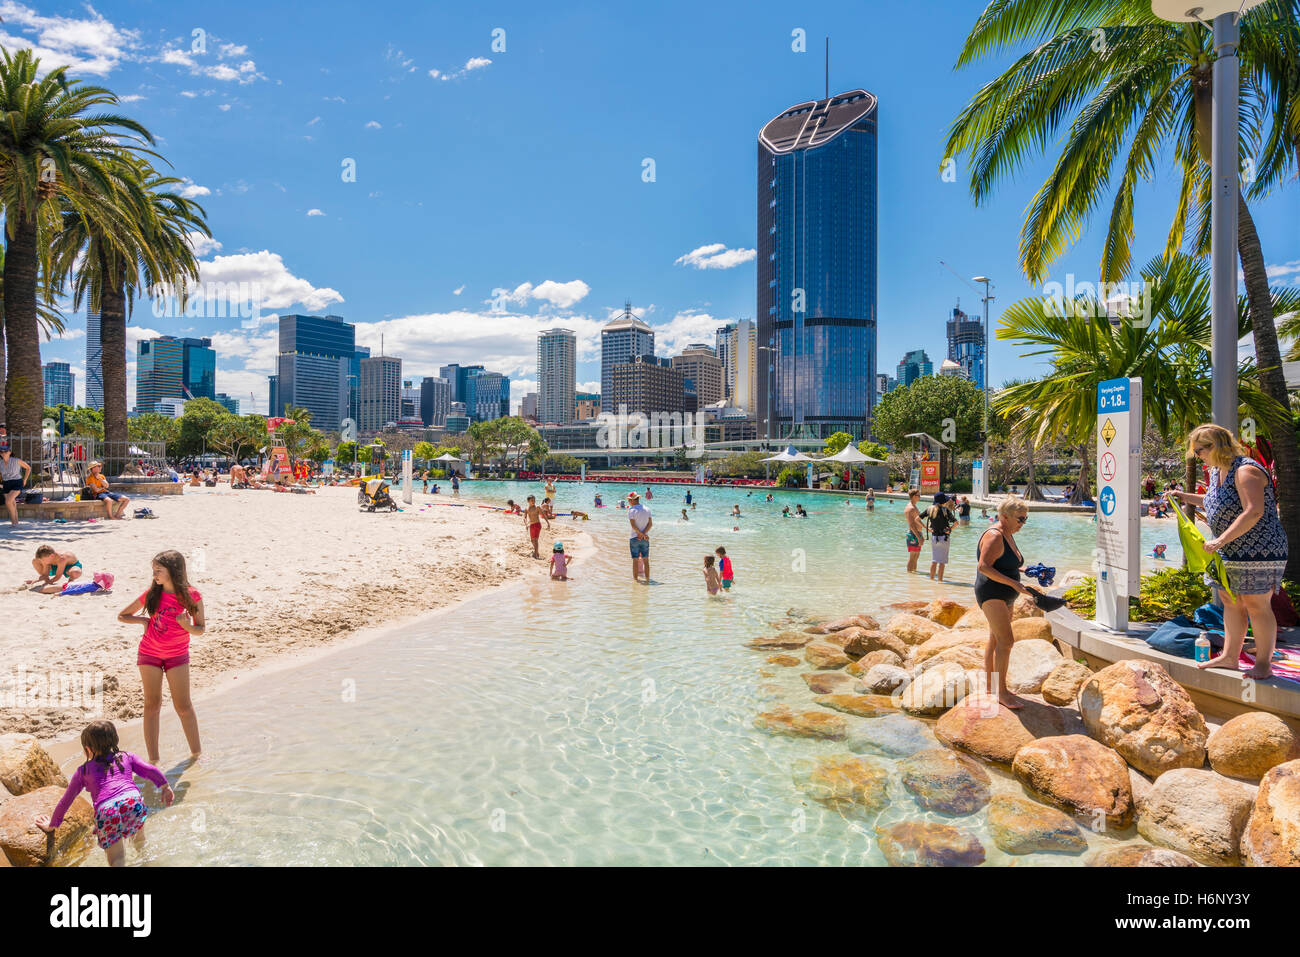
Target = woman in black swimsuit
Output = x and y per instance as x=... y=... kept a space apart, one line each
x=997 y=583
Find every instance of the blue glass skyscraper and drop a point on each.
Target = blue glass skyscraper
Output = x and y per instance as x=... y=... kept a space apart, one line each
x=817 y=268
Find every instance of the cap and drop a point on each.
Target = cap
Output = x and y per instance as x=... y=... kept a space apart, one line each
x=558 y=547
x=940 y=498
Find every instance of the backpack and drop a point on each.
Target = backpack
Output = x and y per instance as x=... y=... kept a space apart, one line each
x=940 y=521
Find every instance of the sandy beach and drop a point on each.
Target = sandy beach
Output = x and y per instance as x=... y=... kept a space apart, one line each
x=282 y=576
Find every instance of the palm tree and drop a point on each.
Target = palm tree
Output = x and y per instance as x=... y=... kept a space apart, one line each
x=47 y=316
x=54 y=141
x=1021 y=424
x=1126 y=87
x=1171 y=355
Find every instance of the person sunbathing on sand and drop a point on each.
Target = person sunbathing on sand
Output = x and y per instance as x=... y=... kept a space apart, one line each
x=51 y=566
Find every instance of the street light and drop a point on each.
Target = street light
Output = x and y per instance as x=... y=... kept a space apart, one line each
x=1223 y=14
x=987 y=298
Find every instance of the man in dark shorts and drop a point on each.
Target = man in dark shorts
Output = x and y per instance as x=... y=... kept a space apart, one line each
x=638 y=516
x=14 y=473
x=533 y=519
x=915 y=529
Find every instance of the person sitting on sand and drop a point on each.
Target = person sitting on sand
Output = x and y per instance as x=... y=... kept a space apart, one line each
x=115 y=503
x=512 y=507
x=559 y=563
x=195 y=481
x=51 y=566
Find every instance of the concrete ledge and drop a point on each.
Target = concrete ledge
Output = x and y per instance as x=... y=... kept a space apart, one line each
x=129 y=487
x=71 y=510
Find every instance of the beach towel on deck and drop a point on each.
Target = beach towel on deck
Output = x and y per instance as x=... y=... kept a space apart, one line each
x=1198 y=559
x=1178 y=637
x=1287 y=667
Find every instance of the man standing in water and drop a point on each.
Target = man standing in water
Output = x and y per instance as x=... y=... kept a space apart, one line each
x=638 y=517
x=915 y=530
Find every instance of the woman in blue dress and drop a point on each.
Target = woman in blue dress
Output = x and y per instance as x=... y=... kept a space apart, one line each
x=1241 y=508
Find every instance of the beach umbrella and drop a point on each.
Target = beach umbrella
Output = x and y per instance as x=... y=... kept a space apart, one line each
x=790 y=454
x=447 y=457
x=850 y=455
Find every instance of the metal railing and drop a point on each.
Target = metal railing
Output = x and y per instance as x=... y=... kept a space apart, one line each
x=60 y=464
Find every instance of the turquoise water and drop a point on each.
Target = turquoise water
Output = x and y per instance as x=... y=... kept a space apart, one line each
x=588 y=722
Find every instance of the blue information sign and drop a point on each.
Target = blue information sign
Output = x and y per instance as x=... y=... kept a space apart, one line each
x=1112 y=396
x=1107 y=500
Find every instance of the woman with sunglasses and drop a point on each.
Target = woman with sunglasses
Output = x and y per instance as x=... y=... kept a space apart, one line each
x=1241 y=509
x=997 y=585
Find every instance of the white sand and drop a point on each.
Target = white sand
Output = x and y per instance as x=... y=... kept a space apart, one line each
x=281 y=575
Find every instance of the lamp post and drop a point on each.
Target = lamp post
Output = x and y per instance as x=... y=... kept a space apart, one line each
x=1221 y=16
x=985 y=377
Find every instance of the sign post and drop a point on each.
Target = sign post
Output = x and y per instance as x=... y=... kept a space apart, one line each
x=406 y=476
x=1119 y=468
x=978 y=481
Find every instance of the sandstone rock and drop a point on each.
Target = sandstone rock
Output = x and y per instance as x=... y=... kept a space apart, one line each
x=805 y=724
x=912 y=629
x=1032 y=660
x=1272 y=837
x=786 y=639
x=884 y=679
x=892 y=735
x=1139 y=784
x=949 y=639
x=944 y=612
x=968 y=656
x=1196 y=812
x=1023 y=629
x=1249 y=745
x=944 y=781
x=1023 y=608
x=26 y=845
x=852 y=621
x=1134 y=707
x=861 y=705
x=924 y=844
x=882 y=656
x=913 y=607
x=936 y=690
x=1021 y=826
x=842 y=637
x=785 y=661
x=846 y=783
x=869 y=641
x=855 y=668
x=1137 y=855
x=1063 y=684
x=1078 y=775
x=830 y=682
x=984 y=728
x=973 y=619
x=822 y=654
x=1049 y=721
x=25 y=767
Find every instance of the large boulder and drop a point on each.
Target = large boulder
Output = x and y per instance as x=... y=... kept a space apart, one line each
x=1272 y=837
x=949 y=639
x=803 y=724
x=1251 y=744
x=1196 y=812
x=830 y=682
x=870 y=641
x=935 y=690
x=881 y=656
x=969 y=655
x=912 y=629
x=839 y=624
x=1138 y=855
x=1021 y=826
x=1063 y=684
x=979 y=725
x=945 y=612
x=25 y=766
x=785 y=661
x=824 y=655
x=1025 y=607
x=1080 y=776
x=944 y=781
x=884 y=679
x=846 y=783
x=892 y=735
x=859 y=705
x=914 y=606
x=1032 y=660
x=925 y=844
x=1023 y=629
x=973 y=619
x=26 y=845
x=1136 y=708
x=785 y=639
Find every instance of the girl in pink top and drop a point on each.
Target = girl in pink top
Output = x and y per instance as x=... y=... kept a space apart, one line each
x=559 y=563
x=174 y=614
x=109 y=775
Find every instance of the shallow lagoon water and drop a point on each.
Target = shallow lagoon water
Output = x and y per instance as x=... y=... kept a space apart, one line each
x=589 y=722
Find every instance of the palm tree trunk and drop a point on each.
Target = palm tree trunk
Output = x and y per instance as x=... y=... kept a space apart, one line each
x=1268 y=360
x=1083 y=486
x=1032 y=492
x=24 y=387
x=112 y=330
x=2 y=363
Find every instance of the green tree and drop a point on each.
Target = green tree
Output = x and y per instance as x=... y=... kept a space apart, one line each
x=873 y=449
x=153 y=427
x=345 y=453
x=198 y=419
x=424 y=451
x=948 y=408
x=835 y=443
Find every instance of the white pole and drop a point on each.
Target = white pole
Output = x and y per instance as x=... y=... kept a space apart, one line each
x=1223 y=224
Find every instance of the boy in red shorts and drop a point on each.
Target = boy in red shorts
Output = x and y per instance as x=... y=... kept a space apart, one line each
x=533 y=519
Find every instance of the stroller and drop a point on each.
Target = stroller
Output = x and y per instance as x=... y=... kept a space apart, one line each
x=373 y=494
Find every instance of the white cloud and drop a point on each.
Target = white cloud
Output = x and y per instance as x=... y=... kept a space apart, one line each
x=279 y=288
x=192 y=189
x=716 y=256
x=231 y=49
x=130 y=98
x=315 y=212
x=458 y=290
x=560 y=294
x=1283 y=270
x=473 y=63
x=224 y=107
x=334 y=99
x=373 y=125
x=201 y=244
x=313 y=121
x=89 y=45
x=243 y=72
x=684 y=328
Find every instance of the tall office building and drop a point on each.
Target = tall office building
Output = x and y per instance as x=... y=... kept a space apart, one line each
x=557 y=372
x=528 y=407
x=457 y=419
x=915 y=365
x=884 y=384
x=817 y=267
x=621 y=341
x=314 y=369
x=354 y=382
x=487 y=396
x=645 y=386
x=435 y=400
x=737 y=350
x=159 y=369
x=231 y=405
x=60 y=384
x=198 y=369
x=273 y=406
x=381 y=392
x=458 y=377
x=966 y=345
x=410 y=400
x=698 y=364
x=722 y=347
x=94 y=363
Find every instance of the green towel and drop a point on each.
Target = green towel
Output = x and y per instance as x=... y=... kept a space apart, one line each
x=1198 y=559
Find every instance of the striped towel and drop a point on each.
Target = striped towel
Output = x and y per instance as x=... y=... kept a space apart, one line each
x=1286 y=667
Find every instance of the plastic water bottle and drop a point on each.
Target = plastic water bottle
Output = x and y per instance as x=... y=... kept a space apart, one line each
x=1202 y=648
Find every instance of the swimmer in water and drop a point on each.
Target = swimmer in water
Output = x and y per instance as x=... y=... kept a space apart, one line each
x=685 y=517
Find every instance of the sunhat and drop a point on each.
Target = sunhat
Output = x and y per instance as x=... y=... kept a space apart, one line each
x=558 y=547
x=632 y=495
x=97 y=462
x=940 y=498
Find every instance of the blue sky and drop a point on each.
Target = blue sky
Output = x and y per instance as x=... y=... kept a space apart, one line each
x=521 y=169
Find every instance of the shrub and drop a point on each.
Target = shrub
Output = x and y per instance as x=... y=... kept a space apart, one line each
x=1165 y=594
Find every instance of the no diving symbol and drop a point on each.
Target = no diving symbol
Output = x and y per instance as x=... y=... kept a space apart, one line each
x=1108 y=467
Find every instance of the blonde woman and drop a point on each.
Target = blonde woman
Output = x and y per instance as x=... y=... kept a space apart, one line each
x=997 y=585
x=1240 y=506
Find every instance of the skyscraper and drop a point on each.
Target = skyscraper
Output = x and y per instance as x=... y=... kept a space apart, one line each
x=738 y=354
x=722 y=346
x=557 y=371
x=457 y=377
x=487 y=396
x=231 y=404
x=966 y=345
x=198 y=369
x=645 y=386
x=914 y=365
x=314 y=368
x=60 y=384
x=699 y=364
x=528 y=407
x=94 y=363
x=621 y=341
x=817 y=267
x=159 y=371
x=435 y=400
x=381 y=392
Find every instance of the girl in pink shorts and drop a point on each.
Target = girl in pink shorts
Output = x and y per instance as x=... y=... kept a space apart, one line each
x=174 y=613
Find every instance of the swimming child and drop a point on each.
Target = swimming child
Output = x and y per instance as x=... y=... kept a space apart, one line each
x=109 y=775
x=711 y=576
x=1158 y=552
x=769 y=496
x=785 y=512
x=688 y=497
x=174 y=614
x=871 y=499
x=598 y=503
x=685 y=517
x=533 y=519
x=693 y=504
x=735 y=511
x=51 y=566
x=727 y=575
x=798 y=510
x=559 y=563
